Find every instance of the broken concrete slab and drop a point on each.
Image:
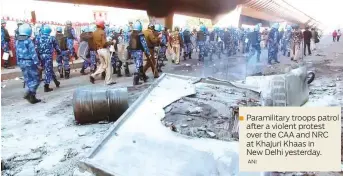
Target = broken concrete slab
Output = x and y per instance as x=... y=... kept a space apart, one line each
x=155 y=145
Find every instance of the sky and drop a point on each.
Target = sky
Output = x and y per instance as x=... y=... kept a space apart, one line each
x=329 y=12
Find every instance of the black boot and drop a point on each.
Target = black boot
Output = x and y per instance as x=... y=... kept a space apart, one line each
x=136 y=79
x=288 y=54
x=26 y=95
x=184 y=56
x=46 y=88
x=127 y=71
x=32 y=99
x=82 y=71
x=190 y=56
x=57 y=83
x=67 y=73
x=114 y=69
x=91 y=79
x=142 y=74
x=60 y=71
x=103 y=75
x=119 y=71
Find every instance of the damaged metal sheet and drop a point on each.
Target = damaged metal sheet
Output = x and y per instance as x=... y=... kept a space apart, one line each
x=139 y=144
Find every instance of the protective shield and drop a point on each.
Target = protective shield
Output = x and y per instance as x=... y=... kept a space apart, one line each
x=83 y=50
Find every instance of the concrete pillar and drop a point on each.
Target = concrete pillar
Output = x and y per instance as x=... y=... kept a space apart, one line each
x=167 y=21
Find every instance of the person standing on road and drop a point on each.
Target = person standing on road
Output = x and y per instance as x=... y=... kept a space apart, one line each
x=255 y=39
x=334 y=36
x=69 y=33
x=175 y=42
x=273 y=44
x=99 y=37
x=46 y=44
x=313 y=39
x=62 y=59
x=152 y=41
x=307 y=41
x=138 y=44
x=187 y=51
x=28 y=62
x=265 y=38
x=16 y=31
x=122 y=43
x=338 y=34
x=297 y=38
x=90 y=60
x=5 y=39
x=286 y=41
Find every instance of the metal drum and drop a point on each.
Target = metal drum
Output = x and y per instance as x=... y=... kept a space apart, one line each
x=94 y=104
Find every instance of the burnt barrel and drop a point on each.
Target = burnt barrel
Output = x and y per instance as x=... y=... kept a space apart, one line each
x=94 y=104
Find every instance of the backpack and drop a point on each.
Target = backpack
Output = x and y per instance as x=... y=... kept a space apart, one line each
x=62 y=42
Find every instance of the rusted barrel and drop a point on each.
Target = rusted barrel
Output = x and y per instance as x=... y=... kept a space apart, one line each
x=94 y=104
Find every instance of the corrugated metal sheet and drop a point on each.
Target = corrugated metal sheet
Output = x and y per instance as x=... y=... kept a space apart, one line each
x=283 y=10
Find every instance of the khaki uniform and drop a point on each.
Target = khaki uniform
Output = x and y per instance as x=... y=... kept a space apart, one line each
x=151 y=41
x=175 y=41
x=99 y=37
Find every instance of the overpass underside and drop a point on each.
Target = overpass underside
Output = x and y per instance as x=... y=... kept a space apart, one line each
x=268 y=10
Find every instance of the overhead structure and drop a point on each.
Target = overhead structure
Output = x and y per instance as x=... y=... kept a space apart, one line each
x=278 y=11
x=270 y=10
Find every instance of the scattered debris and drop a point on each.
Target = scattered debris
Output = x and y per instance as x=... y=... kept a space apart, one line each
x=184 y=125
x=84 y=146
x=103 y=122
x=211 y=134
x=332 y=85
x=69 y=153
x=202 y=129
x=173 y=128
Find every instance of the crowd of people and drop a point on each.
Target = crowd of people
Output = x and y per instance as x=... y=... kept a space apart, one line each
x=106 y=50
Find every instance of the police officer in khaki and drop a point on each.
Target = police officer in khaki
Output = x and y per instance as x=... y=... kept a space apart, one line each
x=99 y=37
x=152 y=41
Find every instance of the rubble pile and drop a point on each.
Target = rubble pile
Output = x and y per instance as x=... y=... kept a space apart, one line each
x=210 y=113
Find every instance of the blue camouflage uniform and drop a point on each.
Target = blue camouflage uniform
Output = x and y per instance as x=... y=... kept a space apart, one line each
x=255 y=40
x=69 y=32
x=201 y=41
x=5 y=38
x=187 y=44
x=136 y=53
x=286 y=42
x=28 y=63
x=163 y=48
x=273 y=45
x=46 y=45
x=63 y=58
x=91 y=63
x=4 y=44
x=214 y=47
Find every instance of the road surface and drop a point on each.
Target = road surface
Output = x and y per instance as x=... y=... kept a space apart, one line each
x=43 y=139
